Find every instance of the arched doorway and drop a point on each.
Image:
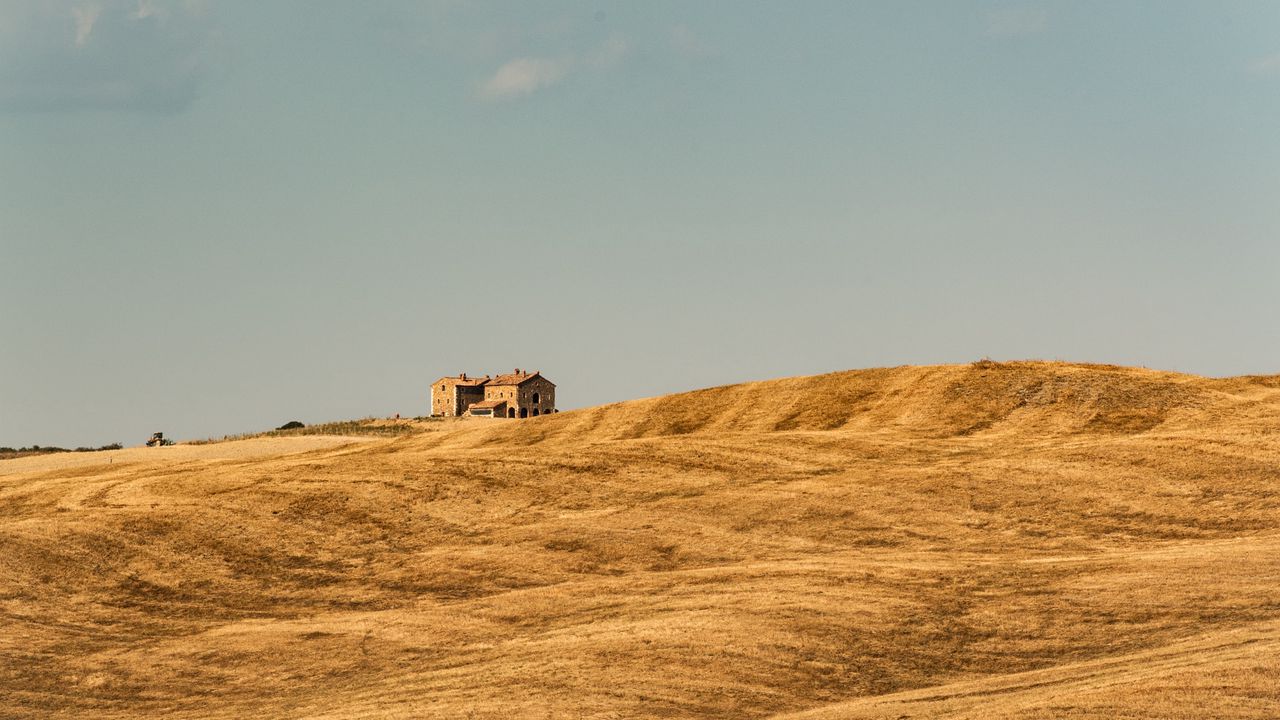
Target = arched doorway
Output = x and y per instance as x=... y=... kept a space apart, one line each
x=535 y=412
x=524 y=412
x=511 y=412
x=535 y=398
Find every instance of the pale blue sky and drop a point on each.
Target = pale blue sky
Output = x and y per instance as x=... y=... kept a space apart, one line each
x=219 y=216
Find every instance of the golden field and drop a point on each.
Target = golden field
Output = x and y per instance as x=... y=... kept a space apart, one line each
x=995 y=540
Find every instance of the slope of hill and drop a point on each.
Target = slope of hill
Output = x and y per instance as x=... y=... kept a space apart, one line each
x=991 y=540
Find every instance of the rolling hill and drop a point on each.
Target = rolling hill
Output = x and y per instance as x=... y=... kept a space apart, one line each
x=995 y=540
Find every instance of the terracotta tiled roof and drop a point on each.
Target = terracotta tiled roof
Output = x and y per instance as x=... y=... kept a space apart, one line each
x=514 y=379
x=495 y=404
x=469 y=382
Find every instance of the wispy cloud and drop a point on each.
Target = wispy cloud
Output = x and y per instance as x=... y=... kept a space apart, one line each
x=1269 y=65
x=1017 y=21
x=145 y=9
x=524 y=76
x=610 y=53
x=74 y=55
x=686 y=42
x=86 y=16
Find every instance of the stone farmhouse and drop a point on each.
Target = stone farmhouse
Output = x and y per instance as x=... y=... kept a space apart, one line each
x=516 y=395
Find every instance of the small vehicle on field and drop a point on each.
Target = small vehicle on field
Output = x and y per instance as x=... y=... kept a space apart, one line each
x=158 y=440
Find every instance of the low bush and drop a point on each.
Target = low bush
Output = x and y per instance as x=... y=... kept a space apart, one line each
x=10 y=452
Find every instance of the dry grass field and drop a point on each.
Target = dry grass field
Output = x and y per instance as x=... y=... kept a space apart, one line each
x=1015 y=540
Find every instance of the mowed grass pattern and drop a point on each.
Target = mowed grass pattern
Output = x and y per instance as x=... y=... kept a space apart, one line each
x=1016 y=540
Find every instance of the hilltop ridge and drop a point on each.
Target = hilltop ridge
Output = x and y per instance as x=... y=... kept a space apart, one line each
x=1006 y=540
x=938 y=401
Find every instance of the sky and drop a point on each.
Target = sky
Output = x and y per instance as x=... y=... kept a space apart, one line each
x=217 y=217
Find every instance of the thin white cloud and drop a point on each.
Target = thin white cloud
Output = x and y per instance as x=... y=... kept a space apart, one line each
x=75 y=55
x=686 y=42
x=610 y=53
x=524 y=76
x=85 y=16
x=1269 y=65
x=1017 y=21
x=145 y=9
x=527 y=75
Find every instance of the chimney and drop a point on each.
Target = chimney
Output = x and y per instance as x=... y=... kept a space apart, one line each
x=517 y=371
x=463 y=376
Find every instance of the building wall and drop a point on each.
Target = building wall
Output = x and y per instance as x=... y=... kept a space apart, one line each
x=545 y=391
x=439 y=395
x=450 y=399
x=500 y=392
x=467 y=395
x=521 y=396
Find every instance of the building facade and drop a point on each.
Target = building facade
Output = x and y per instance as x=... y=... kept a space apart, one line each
x=519 y=394
x=451 y=396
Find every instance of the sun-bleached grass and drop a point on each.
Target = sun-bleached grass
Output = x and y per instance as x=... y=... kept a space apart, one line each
x=365 y=427
x=990 y=540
